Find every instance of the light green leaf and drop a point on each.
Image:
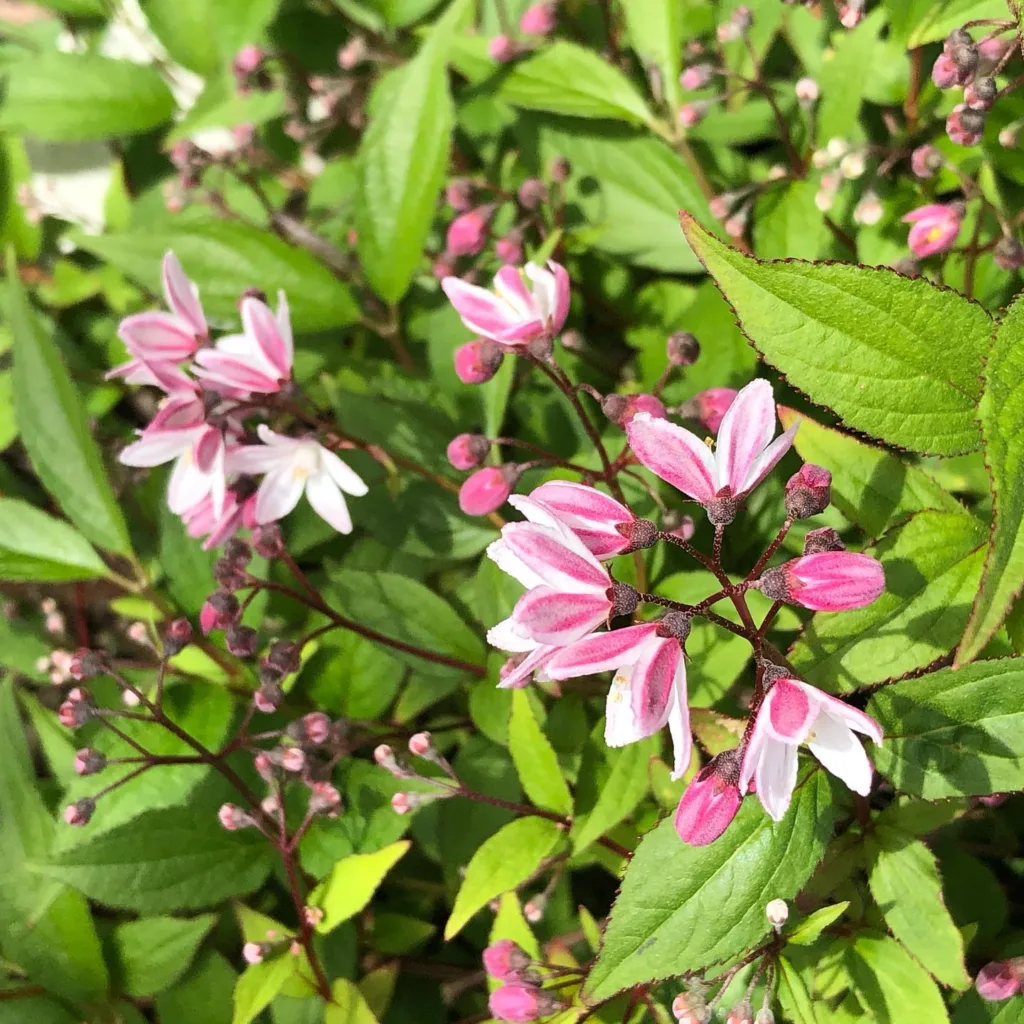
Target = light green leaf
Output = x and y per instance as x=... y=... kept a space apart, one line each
x=932 y=565
x=619 y=795
x=259 y=984
x=797 y=1003
x=204 y=994
x=54 y=429
x=788 y=224
x=156 y=951
x=656 y=33
x=227 y=257
x=905 y=883
x=862 y=342
x=8 y=421
x=954 y=732
x=1001 y=413
x=535 y=760
x=502 y=863
x=70 y=97
x=352 y=883
x=35 y=546
x=945 y=15
x=565 y=78
x=683 y=907
x=348 y=1005
x=891 y=984
x=844 y=78
x=400 y=169
x=808 y=931
x=870 y=486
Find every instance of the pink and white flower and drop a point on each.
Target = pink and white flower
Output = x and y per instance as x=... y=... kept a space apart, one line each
x=744 y=454
x=935 y=228
x=603 y=524
x=569 y=594
x=259 y=360
x=293 y=467
x=710 y=801
x=202 y=521
x=793 y=713
x=648 y=690
x=158 y=341
x=513 y=313
x=829 y=581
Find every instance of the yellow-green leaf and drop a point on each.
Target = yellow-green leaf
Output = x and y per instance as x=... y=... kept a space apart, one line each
x=352 y=883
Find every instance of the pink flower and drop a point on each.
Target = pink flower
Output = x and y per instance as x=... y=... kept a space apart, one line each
x=477 y=361
x=294 y=466
x=158 y=341
x=467 y=234
x=935 y=228
x=256 y=361
x=648 y=691
x=830 y=581
x=239 y=511
x=793 y=713
x=518 y=1002
x=710 y=801
x=487 y=490
x=467 y=450
x=744 y=456
x=999 y=980
x=569 y=594
x=502 y=49
x=512 y=313
x=505 y=959
x=538 y=19
x=603 y=524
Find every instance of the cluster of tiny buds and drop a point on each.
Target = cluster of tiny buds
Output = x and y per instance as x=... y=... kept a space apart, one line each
x=420 y=745
x=519 y=996
x=273 y=942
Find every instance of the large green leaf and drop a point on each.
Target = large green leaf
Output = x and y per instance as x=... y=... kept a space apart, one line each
x=871 y=487
x=155 y=951
x=35 y=546
x=956 y=732
x=225 y=258
x=656 y=32
x=788 y=223
x=905 y=882
x=1001 y=413
x=66 y=97
x=627 y=185
x=683 y=907
x=260 y=984
x=400 y=168
x=862 y=342
x=352 y=883
x=54 y=428
x=945 y=15
x=535 y=760
x=891 y=984
x=932 y=565
x=565 y=78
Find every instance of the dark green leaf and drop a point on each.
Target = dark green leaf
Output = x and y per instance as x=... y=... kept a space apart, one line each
x=535 y=760
x=35 y=546
x=156 y=951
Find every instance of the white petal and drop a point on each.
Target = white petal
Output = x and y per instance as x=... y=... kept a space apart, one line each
x=158 y=448
x=834 y=744
x=188 y=485
x=679 y=724
x=328 y=502
x=620 y=725
x=776 y=777
x=255 y=458
x=347 y=479
x=544 y=290
x=507 y=636
x=278 y=494
x=267 y=436
x=499 y=553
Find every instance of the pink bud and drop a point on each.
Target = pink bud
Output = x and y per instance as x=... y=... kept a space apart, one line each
x=76 y=709
x=945 y=74
x=317 y=727
x=486 y=490
x=208 y=618
x=509 y=249
x=252 y=953
x=262 y=763
x=965 y=125
x=851 y=13
x=538 y=19
x=83 y=664
x=324 y=798
x=998 y=980
x=643 y=403
x=709 y=407
x=533 y=910
x=808 y=492
x=400 y=803
x=696 y=76
x=460 y=194
x=833 y=581
x=691 y=114
x=823 y=539
x=925 y=161
x=420 y=744
x=466 y=451
x=467 y=234
x=502 y=49
x=981 y=93
x=293 y=760
x=477 y=361
x=518 y=1002
x=55 y=623
x=89 y=761
x=505 y=959
x=177 y=636
x=233 y=818
x=267 y=699
x=711 y=801
x=806 y=90
x=351 y=53
x=531 y=193
x=312 y=915
x=248 y=59
x=80 y=812
x=442 y=268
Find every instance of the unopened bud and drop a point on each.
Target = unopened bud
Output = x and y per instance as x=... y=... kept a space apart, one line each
x=80 y=812
x=981 y=93
x=807 y=91
x=220 y=611
x=268 y=697
x=267 y=540
x=86 y=664
x=531 y=193
x=401 y=804
x=232 y=818
x=293 y=759
x=477 y=361
x=764 y=1016
x=624 y=598
x=777 y=912
x=317 y=727
x=740 y=1014
x=324 y=799
x=312 y=915
x=808 y=492
x=1009 y=254
x=284 y=656
x=460 y=194
x=467 y=451
x=264 y=765
x=253 y=952
x=560 y=169
x=228 y=574
x=76 y=710
x=89 y=761
x=824 y=539
x=241 y=641
x=965 y=57
x=533 y=910
x=683 y=348
x=177 y=636
x=641 y=533
x=421 y=744
x=674 y=624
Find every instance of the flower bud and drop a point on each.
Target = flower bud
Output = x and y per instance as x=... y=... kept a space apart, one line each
x=964 y=56
x=466 y=451
x=808 y=492
x=241 y=641
x=682 y=348
x=925 y=161
x=317 y=727
x=674 y=624
x=477 y=361
x=869 y=209
x=710 y=801
x=268 y=697
x=531 y=193
x=460 y=194
x=267 y=540
x=401 y=804
x=89 y=761
x=509 y=249
x=828 y=582
x=284 y=656
x=945 y=74
x=76 y=710
x=764 y=1016
x=709 y=407
x=324 y=799
x=232 y=818
x=560 y=169
x=981 y=93
x=641 y=533
x=502 y=49
x=823 y=539
x=1000 y=979
x=721 y=205
x=467 y=234
x=80 y=812
x=352 y=53
x=965 y=125
x=420 y=744
x=220 y=611
x=624 y=598
x=851 y=13
x=696 y=76
x=229 y=575
x=312 y=915
x=1009 y=136
x=777 y=912
x=487 y=489
x=807 y=91
x=538 y=19
x=253 y=953
x=292 y=759
x=264 y=765
x=518 y=1002
x=1009 y=254
x=689 y=115
x=86 y=664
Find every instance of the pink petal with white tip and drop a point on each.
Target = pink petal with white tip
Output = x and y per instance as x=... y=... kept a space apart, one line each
x=157 y=336
x=653 y=678
x=554 y=617
x=745 y=431
x=532 y=665
x=554 y=560
x=564 y=496
x=509 y=636
x=181 y=295
x=262 y=327
x=218 y=367
x=508 y=283
x=768 y=459
x=674 y=454
x=482 y=311
x=601 y=652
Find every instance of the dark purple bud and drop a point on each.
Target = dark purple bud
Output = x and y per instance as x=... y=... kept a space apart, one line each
x=965 y=57
x=614 y=407
x=674 y=624
x=269 y=696
x=972 y=121
x=808 y=492
x=722 y=509
x=253 y=293
x=641 y=533
x=237 y=551
x=624 y=599
x=177 y=636
x=77 y=709
x=683 y=348
x=541 y=348
x=958 y=37
x=89 y=761
x=824 y=539
x=229 y=574
x=80 y=812
x=267 y=540
x=241 y=641
x=774 y=583
x=1009 y=254
x=284 y=656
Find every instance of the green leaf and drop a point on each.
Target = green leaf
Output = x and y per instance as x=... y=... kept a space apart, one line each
x=204 y=994
x=619 y=794
x=8 y=421
x=1001 y=413
x=400 y=169
x=628 y=186
x=945 y=15
x=844 y=78
x=954 y=732
x=808 y=931
x=502 y=863
x=35 y=546
x=789 y=224
x=156 y=951
x=862 y=342
x=932 y=565
x=54 y=429
x=259 y=984
x=683 y=907
x=348 y=1005
x=656 y=33
x=404 y=609
x=871 y=487
x=565 y=78
x=68 y=97
x=891 y=984
x=352 y=883
x=226 y=258
x=535 y=760
x=174 y=859
x=797 y=1002
x=905 y=883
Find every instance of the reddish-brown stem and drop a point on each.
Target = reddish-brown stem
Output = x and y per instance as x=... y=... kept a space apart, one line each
x=770 y=550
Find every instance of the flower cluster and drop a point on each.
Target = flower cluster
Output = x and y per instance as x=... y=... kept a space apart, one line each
x=212 y=391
